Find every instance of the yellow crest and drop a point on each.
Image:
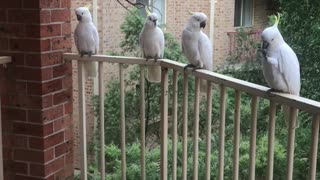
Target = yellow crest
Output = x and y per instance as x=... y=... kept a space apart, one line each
x=147 y=10
x=191 y=13
x=88 y=6
x=277 y=18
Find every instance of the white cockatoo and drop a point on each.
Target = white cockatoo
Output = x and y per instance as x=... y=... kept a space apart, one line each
x=196 y=45
x=152 y=45
x=281 y=67
x=86 y=38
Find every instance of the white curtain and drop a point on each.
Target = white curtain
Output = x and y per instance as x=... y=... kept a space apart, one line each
x=247 y=13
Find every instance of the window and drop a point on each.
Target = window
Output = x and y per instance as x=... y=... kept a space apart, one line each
x=243 y=13
x=159 y=8
x=156 y=6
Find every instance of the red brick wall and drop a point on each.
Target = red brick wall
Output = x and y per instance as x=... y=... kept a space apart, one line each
x=37 y=103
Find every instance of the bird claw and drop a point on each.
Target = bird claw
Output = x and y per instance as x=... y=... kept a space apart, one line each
x=187 y=66
x=263 y=52
x=192 y=66
x=273 y=90
x=84 y=53
x=148 y=57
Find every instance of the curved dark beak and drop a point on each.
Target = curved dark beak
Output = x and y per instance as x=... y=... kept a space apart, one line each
x=265 y=45
x=155 y=22
x=203 y=24
x=79 y=17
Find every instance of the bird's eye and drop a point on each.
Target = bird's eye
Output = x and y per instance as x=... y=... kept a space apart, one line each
x=272 y=39
x=81 y=13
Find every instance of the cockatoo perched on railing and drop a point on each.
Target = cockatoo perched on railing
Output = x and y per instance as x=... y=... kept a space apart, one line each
x=86 y=38
x=281 y=67
x=196 y=45
x=152 y=45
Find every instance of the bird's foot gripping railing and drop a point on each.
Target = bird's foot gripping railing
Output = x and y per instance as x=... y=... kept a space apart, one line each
x=254 y=91
x=3 y=61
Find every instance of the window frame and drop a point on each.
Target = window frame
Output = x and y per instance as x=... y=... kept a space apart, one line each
x=163 y=18
x=241 y=15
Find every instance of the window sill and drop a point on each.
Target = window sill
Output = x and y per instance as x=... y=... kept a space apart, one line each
x=239 y=27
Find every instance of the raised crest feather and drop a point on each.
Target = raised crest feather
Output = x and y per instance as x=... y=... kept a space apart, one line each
x=147 y=11
x=277 y=19
x=88 y=6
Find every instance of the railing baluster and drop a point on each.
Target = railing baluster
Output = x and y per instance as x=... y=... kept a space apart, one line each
x=314 y=147
x=272 y=120
x=164 y=123
x=236 y=135
x=290 y=147
x=142 y=122
x=175 y=125
x=101 y=95
x=82 y=117
x=196 y=128
x=122 y=124
x=185 y=127
x=208 y=137
x=222 y=131
x=253 y=137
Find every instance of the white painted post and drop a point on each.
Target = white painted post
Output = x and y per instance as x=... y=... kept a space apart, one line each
x=101 y=95
x=122 y=124
x=185 y=127
x=142 y=124
x=164 y=124
x=222 y=131
x=175 y=124
x=82 y=117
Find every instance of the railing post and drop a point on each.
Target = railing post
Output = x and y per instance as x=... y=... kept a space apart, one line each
x=175 y=125
x=253 y=137
x=291 y=137
x=185 y=128
x=82 y=117
x=208 y=136
x=314 y=147
x=164 y=124
x=236 y=135
x=102 y=141
x=222 y=131
x=122 y=124
x=142 y=124
x=272 y=120
x=196 y=128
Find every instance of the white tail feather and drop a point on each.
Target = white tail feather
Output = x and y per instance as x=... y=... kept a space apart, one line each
x=154 y=74
x=203 y=86
x=286 y=116
x=90 y=69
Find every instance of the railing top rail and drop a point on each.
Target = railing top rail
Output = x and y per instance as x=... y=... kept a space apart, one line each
x=110 y=59
x=244 y=86
x=5 y=59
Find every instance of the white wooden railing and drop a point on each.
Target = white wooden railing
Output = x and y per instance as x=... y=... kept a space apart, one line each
x=3 y=61
x=254 y=90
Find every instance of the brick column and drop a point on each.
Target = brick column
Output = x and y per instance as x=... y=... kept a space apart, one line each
x=37 y=102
